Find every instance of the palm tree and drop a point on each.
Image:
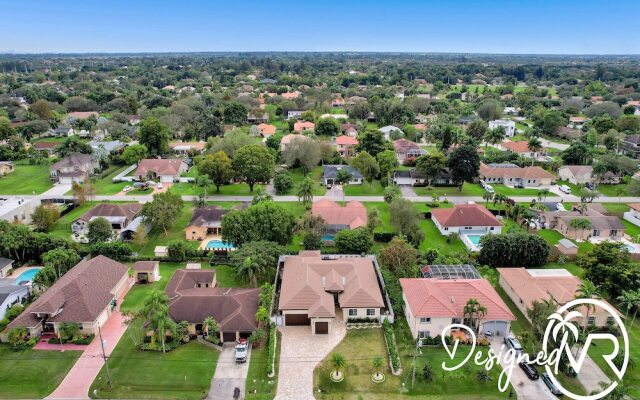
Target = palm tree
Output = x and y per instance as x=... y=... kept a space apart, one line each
x=627 y=300
x=475 y=311
x=305 y=191
x=487 y=196
x=156 y=312
x=338 y=362
x=582 y=208
x=494 y=136
x=377 y=366
x=343 y=177
x=587 y=290
x=249 y=271
x=210 y=326
x=527 y=218
x=499 y=198
x=534 y=145
x=580 y=223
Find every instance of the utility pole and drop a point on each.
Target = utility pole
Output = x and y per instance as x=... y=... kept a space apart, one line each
x=104 y=356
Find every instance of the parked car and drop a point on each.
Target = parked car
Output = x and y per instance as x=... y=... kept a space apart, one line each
x=159 y=185
x=590 y=186
x=489 y=188
x=241 y=351
x=127 y=189
x=550 y=385
x=565 y=189
x=519 y=185
x=560 y=207
x=529 y=370
x=140 y=185
x=513 y=343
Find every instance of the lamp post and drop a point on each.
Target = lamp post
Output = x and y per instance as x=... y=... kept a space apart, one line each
x=104 y=356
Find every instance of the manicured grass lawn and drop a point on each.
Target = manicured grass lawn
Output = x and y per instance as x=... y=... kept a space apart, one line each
x=184 y=373
x=375 y=189
x=105 y=185
x=632 y=229
x=236 y=189
x=468 y=189
x=316 y=174
x=26 y=179
x=259 y=386
x=435 y=240
x=616 y=207
x=176 y=232
x=32 y=374
x=612 y=190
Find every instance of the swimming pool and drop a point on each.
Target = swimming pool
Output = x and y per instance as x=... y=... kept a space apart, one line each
x=27 y=275
x=328 y=238
x=475 y=239
x=219 y=244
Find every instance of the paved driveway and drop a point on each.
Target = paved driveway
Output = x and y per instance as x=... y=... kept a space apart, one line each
x=228 y=375
x=525 y=388
x=300 y=353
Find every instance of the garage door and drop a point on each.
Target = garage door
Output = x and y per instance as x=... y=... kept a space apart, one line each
x=229 y=336
x=322 y=328
x=296 y=319
x=495 y=326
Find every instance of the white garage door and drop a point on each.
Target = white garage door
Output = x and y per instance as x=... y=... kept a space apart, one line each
x=495 y=327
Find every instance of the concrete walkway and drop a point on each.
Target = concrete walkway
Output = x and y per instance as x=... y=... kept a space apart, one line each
x=228 y=375
x=591 y=375
x=300 y=353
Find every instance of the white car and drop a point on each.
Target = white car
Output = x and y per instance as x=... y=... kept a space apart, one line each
x=127 y=189
x=560 y=207
x=489 y=188
x=159 y=185
x=565 y=189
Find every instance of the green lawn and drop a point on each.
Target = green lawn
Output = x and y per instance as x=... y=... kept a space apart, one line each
x=259 y=386
x=26 y=179
x=468 y=189
x=316 y=174
x=236 y=189
x=366 y=189
x=618 y=208
x=435 y=240
x=104 y=184
x=612 y=190
x=184 y=373
x=33 y=374
x=157 y=237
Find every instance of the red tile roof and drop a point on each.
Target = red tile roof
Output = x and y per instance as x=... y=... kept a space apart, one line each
x=83 y=114
x=354 y=214
x=159 y=166
x=267 y=129
x=346 y=140
x=431 y=297
x=403 y=146
x=465 y=215
x=518 y=147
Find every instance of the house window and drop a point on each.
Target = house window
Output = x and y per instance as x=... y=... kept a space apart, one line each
x=492 y=228
x=614 y=233
x=446 y=229
x=424 y=334
x=371 y=311
x=425 y=320
x=610 y=320
x=80 y=325
x=468 y=227
x=591 y=320
x=456 y=320
x=596 y=232
x=353 y=312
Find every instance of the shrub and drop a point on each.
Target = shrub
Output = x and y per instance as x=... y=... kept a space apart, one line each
x=282 y=182
x=392 y=347
x=177 y=250
x=354 y=241
x=115 y=250
x=272 y=348
x=383 y=237
x=513 y=249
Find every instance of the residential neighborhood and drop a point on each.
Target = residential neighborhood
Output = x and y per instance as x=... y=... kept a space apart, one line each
x=317 y=225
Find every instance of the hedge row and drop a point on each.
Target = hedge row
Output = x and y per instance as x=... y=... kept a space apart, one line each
x=392 y=347
x=272 y=348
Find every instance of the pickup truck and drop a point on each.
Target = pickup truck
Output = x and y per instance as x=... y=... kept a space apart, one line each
x=241 y=351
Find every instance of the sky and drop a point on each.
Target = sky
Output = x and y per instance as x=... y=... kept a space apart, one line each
x=454 y=26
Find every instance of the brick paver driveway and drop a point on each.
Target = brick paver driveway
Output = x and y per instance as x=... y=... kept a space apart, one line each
x=300 y=353
x=79 y=379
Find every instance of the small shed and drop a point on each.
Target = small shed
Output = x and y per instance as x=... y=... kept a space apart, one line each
x=161 y=251
x=194 y=266
x=146 y=271
x=567 y=248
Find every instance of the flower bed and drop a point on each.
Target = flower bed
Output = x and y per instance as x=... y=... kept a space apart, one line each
x=392 y=348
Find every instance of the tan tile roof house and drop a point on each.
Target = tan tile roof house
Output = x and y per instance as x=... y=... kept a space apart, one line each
x=168 y=170
x=511 y=174
x=83 y=114
x=431 y=304
x=185 y=148
x=301 y=126
x=312 y=285
x=193 y=296
x=601 y=226
x=84 y=295
x=353 y=215
x=520 y=147
x=267 y=129
x=524 y=286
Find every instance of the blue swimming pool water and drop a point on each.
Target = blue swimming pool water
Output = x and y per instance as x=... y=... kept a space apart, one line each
x=218 y=244
x=475 y=239
x=328 y=238
x=27 y=275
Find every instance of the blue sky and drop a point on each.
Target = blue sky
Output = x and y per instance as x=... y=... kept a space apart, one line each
x=470 y=26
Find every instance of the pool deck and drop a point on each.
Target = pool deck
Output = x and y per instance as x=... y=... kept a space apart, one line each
x=203 y=244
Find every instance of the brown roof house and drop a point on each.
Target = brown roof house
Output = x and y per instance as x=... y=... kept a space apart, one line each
x=353 y=215
x=599 y=227
x=524 y=286
x=76 y=167
x=193 y=296
x=85 y=295
x=205 y=221
x=187 y=148
x=46 y=148
x=316 y=289
x=166 y=170
x=146 y=271
x=511 y=175
x=407 y=149
x=582 y=174
x=471 y=221
x=120 y=216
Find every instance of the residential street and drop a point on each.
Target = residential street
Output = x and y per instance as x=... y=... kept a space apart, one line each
x=228 y=375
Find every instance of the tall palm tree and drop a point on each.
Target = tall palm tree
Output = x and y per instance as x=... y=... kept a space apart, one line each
x=534 y=145
x=487 y=196
x=527 y=218
x=494 y=136
x=305 y=191
x=156 y=312
x=627 y=300
x=499 y=198
x=249 y=271
x=587 y=290
x=580 y=223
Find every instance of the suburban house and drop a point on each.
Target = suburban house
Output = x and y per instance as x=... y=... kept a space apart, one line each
x=465 y=217
x=631 y=146
x=194 y=296
x=314 y=289
x=600 y=226
x=386 y=131
x=267 y=130
x=205 y=221
x=11 y=295
x=432 y=304
x=287 y=139
x=302 y=126
x=330 y=172
x=146 y=271
x=511 y=175
x=46 y=148
x=18 y=210
x=582 y=174
x=633 y=215
x=103 y=149
x=407 y=149
x=414 y=178
x=353 y=215
x=6 y=167
x=166 y=170
x=577 y=122
x=521 y=148
x=75 y=115
x=62 y=131
x=187 y=148
x=257 y=118
x=85 y=295
x=346 y=145
x=6 y=265
x=120 y=216
x=75 y=168
x=524 y=286
x=288 y=114
x=508 y=125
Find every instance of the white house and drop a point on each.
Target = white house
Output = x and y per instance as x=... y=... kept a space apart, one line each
x=11 y=295
x=509 y=126
x=386 y=131
x=17 y=210
x=465 y=217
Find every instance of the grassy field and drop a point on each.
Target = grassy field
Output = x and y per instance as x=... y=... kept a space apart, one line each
x=26 y=179
x=612 y=190
x=259 y=386
x=105 y=186
x=316 y=174
x=375 y=189
x=468 y=189
x=32 y=374
x=191 y=189
x=184 y=373
x=435 y=240
x=157 y=237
